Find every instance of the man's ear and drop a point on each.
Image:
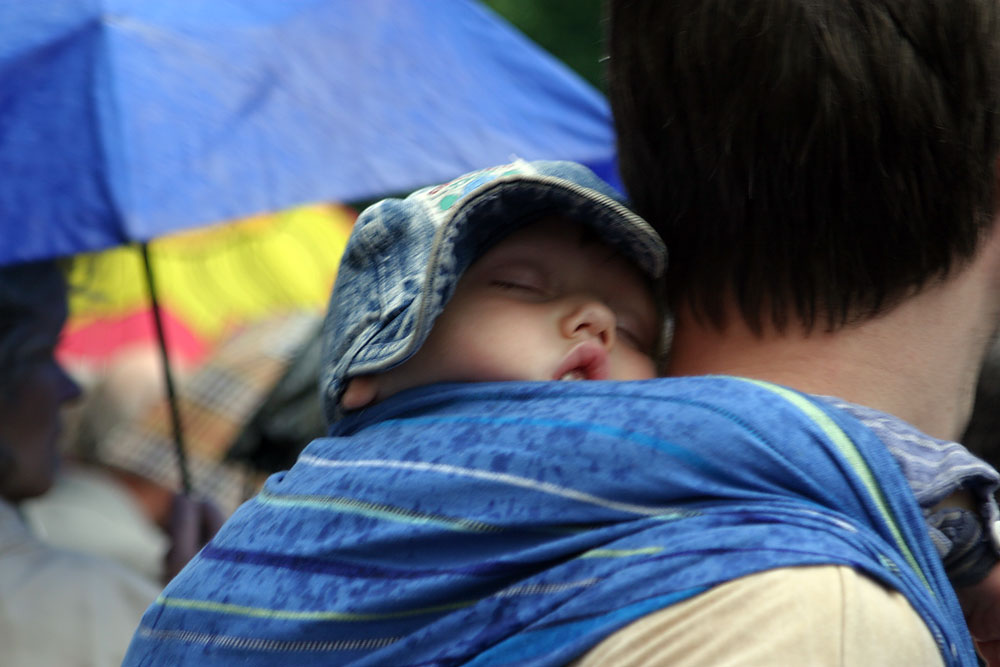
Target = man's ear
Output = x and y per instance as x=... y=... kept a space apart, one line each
x=360 y=392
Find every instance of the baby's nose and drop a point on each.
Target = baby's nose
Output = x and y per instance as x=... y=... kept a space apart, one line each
x=590 y=317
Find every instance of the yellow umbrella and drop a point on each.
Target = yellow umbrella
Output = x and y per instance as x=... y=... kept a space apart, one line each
x=209 y=282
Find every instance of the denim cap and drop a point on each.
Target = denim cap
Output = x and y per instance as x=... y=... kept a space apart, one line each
x=405 y=256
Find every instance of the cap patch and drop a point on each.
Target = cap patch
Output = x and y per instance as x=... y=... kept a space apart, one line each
x=442 y=197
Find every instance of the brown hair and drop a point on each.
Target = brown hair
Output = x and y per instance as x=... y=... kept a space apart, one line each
x=819 y=159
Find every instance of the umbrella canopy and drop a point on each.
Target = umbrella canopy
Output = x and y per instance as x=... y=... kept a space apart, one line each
x=211 y=281
x=124 y=119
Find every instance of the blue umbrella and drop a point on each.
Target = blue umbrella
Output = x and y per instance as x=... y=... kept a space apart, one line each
x=121 y=120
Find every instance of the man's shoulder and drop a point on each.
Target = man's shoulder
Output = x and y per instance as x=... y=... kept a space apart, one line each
x=769 y=618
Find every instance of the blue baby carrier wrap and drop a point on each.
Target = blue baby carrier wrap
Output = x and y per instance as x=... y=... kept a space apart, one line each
x=522 y=523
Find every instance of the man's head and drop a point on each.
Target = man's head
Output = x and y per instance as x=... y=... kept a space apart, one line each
x=405 y=258
x=33 y=386
x=549 y=302
x=809 y=161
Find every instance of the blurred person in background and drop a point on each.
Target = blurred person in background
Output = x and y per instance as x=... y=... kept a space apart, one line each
x=57 y=607
x=116 y=499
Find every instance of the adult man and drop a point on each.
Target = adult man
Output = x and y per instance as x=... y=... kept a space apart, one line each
x=824 y=175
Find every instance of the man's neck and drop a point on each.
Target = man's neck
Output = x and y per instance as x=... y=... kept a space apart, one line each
x=919 y=361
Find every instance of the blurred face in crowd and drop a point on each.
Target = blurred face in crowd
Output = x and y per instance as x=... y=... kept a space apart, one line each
x=549 y=302
x=30 y=402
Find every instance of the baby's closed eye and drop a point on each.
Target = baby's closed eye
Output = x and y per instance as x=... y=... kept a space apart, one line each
x=520 y=278
x=629 y=335
x=634 y=331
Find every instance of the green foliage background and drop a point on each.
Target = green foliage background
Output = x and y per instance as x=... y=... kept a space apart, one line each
x=571 y=30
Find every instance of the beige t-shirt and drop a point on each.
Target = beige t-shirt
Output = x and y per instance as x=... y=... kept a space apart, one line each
x=63 y=608
x=821 y=615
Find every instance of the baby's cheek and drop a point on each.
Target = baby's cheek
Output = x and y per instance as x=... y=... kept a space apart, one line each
x=630 y=364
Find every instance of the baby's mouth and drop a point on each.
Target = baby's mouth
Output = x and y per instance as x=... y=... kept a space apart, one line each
x=586 y=361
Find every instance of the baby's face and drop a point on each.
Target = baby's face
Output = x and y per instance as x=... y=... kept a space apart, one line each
x=546 y=303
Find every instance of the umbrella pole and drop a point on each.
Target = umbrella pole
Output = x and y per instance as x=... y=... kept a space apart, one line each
x=175 y=415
